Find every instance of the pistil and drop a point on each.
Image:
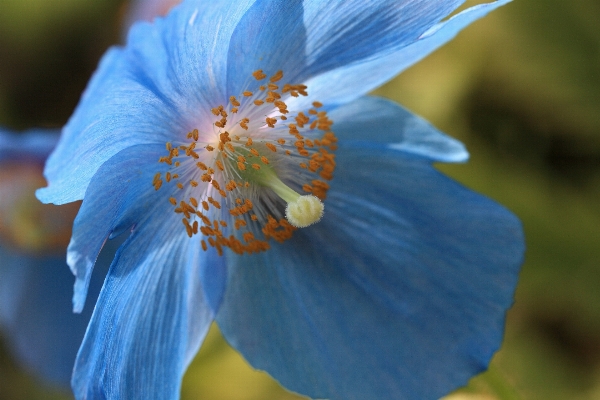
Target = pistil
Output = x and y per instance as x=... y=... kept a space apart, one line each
x=231 y=179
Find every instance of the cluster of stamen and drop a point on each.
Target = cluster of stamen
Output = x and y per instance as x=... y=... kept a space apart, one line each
x=240 y=158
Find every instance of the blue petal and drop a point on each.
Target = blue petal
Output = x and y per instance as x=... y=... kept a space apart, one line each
x=152 y=313
x=307 y=38
x=356 y=78
x=271 y=36
x=339 y=35
x=376 y=123
x=107 y=111
x=399 y=292
x=120 y=197
x=156 y=89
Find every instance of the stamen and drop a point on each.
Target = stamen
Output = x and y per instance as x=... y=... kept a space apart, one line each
x=231 y=160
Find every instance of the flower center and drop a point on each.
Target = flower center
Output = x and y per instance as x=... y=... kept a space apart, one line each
x=239 y=183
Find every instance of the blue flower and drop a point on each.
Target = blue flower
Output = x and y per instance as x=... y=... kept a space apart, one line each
x=335 y=257
x=36 y=319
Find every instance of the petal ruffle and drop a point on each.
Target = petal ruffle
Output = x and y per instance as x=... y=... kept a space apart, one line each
x=115 y=201
x=114 y=112
x=355 y=79
x=399 y=292
x=379 y=124
x=152 y=312
x=156 y=89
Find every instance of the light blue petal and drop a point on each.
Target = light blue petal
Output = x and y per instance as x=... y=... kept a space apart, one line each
x=156 y=89
x=341 y=34
x=113 y=113
x=399 y=292
x=214 y=279
x=271 y=36
x=376 y=123
x=152 y=313
x=307 y=38
x=149 y=320
x=355 y=79
x=119 y=197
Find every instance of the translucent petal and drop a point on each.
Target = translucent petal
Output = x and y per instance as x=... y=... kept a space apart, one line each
x=149 y=320
x=358 y=77
x=376 y=123
x=152 y=313
x=156 y=89
x=116 y=200
x=308 y=38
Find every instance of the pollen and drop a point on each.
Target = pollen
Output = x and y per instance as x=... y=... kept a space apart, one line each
x=235 y=183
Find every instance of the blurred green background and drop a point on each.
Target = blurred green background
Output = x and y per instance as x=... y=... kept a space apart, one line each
x=521 y=88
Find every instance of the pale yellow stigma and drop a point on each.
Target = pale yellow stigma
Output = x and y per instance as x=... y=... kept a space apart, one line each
x=304 y=211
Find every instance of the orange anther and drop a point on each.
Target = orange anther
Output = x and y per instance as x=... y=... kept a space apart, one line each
x=234 y=101
x=259 y=74
x=271 y=122
x=271 y=146
x=278 y=75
